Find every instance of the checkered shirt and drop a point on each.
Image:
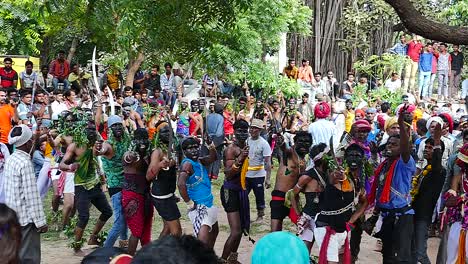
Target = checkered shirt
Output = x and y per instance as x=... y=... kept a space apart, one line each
x=21 y=193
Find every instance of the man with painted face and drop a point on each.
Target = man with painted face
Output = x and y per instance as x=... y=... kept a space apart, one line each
x=112 y=153
x=195 y=189
x=312 y=183
x=129 y=105
x=359 y=170
x=182 y=118
x=81 y=159
x=136 y=204
x=233 y=193
x=291 y=122
x=162 y=172
x=391 y=193
x=259 y=167
x=287 y=176
x=196 y=119
x=343 y=203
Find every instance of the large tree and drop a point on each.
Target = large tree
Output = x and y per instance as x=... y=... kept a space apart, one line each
x=417 y=23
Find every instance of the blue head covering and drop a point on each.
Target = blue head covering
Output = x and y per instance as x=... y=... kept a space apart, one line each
x=279 y=248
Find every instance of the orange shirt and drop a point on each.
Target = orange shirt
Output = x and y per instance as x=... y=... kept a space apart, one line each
x=7 y=112
x=306 y=74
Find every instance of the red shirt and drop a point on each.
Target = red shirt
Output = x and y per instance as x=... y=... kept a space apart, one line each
x=8 y=77
x=414 y=50
x=228 y=125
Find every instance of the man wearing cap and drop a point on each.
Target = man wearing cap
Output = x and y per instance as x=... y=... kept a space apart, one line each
x=130 y=105
x=259 y=169
x=21 y=194
x=112 y=154
x=322 y=129
x=370 y=115
x=8 y=76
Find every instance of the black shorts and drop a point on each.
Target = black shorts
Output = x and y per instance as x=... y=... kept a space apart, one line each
x=278 y=210
x=230 y=200
x=167 y=208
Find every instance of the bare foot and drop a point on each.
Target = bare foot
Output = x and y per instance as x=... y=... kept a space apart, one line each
x=79 y=253
x=93 y=241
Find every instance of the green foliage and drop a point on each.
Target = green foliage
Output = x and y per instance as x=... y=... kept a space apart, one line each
x=456 y=14
x=20 y=31
x=381 y=66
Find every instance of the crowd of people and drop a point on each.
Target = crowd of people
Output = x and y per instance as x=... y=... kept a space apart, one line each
x=396 y=172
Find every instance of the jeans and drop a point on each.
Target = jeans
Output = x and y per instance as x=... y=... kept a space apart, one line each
x=119 y=227
x=257 y=185
x=431 y=82
x=170 y=100
x=420 y=241
x=424 y=79
x=225 y=88
x=56 y=81
x=396 y=234
x=93 y=196
x=443 y=82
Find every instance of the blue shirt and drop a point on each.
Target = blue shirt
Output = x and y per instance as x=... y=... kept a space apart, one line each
x=215 y=125
x=400 y=49
x=401 y=186
x=199 y=184
x=425 y=62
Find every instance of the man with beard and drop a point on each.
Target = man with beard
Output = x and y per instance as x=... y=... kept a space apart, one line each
x=162 y=171
x=8 y=76
x=234 y=196
x=287 y=176
x=60 y=69
x=136 y=203
x=152 y=80
x=195 y=189
x=112 y=153
x=168 y=85
x=311 y=183
x=80 y=159
x=196 y=119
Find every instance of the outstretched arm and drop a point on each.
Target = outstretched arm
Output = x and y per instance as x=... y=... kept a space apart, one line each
x=404 y=135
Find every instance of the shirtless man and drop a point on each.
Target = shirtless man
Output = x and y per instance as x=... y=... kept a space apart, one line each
x=311 y=183
x=162 y=172
x=292 y=121
x=129 y=105
x=287 y=176
x=81 y=160
x=233 y=192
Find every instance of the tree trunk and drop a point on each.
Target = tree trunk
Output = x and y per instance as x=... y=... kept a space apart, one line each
x=45 y=49
x=72 y=51
x=134 y=65
x=415 y=22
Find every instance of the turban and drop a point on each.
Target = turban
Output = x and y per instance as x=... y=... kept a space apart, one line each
x=434 y=119
x=390 y=122
x=360 y=111
x=449 y=119
x=361 y=125
x=322 y=110
x=381 y=121
x=18 y=141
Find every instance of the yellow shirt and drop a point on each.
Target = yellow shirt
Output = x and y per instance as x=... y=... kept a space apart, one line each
x=48 y=151
x=291 y=73
x=349 y=120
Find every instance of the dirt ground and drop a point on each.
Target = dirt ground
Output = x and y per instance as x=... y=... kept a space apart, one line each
x=55 y=250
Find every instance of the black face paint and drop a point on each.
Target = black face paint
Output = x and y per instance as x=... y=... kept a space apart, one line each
x=302 y=145
x=164 y=134
x=117 y=130
x=192 y=151
x=242 y=134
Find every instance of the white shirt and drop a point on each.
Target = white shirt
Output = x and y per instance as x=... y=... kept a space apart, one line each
x=58 y=108
x=259 y=149
x=322 y=130
x=393 y=86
